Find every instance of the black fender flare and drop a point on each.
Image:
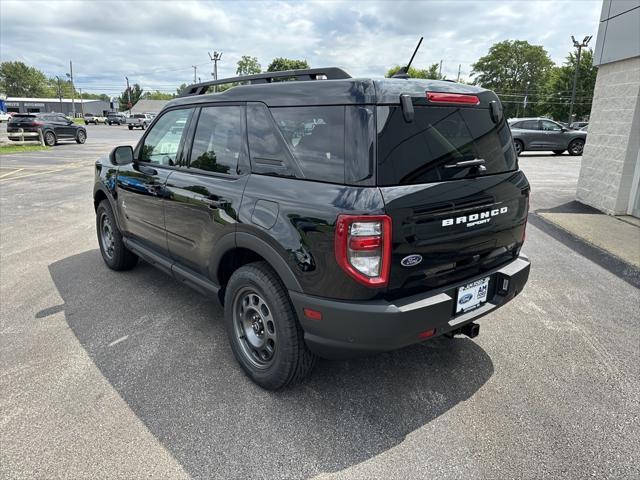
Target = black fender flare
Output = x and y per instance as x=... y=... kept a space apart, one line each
x=262 y=248
x=101 y=187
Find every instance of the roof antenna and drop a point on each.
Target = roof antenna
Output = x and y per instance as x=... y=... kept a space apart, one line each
x=404 y=71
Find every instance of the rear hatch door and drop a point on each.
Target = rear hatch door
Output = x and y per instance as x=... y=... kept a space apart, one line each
x=450 y=221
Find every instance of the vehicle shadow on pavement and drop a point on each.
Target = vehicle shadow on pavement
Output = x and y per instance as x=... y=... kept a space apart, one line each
x=164 y=349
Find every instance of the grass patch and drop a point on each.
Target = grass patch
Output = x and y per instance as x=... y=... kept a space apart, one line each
x=79 y=121
x=6 y=149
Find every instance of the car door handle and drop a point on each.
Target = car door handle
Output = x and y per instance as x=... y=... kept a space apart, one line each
x=215 y=204
x=147 y=170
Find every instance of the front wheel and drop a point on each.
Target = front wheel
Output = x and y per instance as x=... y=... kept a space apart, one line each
x=576 y=147
x=130 y=127
x=114 y=253
x=263 y=328
x=81 y=137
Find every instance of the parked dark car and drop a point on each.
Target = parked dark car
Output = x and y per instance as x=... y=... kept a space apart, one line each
x=116 y=119
x=54 y=126
x=542 y=134
x=331 y=217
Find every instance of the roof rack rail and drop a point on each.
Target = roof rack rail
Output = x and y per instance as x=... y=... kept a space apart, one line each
x=329 y=73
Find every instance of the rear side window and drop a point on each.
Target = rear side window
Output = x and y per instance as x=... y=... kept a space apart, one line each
x=529 y=125
x=315 y=136
x=218 y=140
x=427 y=149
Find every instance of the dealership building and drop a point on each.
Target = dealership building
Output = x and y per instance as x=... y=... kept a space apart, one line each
x=58 y=105
x=610 y=172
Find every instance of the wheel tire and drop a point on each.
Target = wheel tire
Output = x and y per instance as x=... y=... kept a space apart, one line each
x=576 y=147
x=86 y=123
x=519 y=147
x=130 y=127
x=143 y=127
x=114 y=253
x=81 y=136
x=50 y=139
x=283 y=358
x=558 y=152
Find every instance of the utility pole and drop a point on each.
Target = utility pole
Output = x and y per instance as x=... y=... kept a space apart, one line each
x=215 y=58
x=128 y=95
x=440 y=71
x=73 y=103
x=576 y=75
x=195 y=72
x=81 y=103
x=459 y=69
x=59 y=92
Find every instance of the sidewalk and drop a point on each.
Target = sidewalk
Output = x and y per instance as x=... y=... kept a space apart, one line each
x=617 y=236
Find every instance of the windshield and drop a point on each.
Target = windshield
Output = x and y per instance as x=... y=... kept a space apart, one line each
x=427 y=149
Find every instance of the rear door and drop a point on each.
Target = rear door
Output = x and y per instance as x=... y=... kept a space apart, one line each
x=203 y=195
x=449 y=222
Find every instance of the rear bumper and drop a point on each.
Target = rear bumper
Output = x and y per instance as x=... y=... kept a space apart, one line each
x=352 y=328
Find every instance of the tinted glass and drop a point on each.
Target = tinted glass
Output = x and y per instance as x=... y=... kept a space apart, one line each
x=218 y=140
x=269 y=153
x=138 y=115
x=550 y=126
x=315 y=136
x=162 y=143
x=529 y=125
x=426 y=149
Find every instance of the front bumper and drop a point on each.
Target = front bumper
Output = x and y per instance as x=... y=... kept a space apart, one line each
x=352 y=328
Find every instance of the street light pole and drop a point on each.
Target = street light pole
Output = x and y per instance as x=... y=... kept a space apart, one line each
x=215 y=58
x=128 y=95
x=576 y=74
x=59 y=93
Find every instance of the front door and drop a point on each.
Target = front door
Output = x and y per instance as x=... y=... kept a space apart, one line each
x=203 y=197
x=63 y=127
x=141 y=184
x=553 y=135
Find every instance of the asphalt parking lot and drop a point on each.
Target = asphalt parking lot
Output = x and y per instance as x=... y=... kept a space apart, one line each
x=129 y=375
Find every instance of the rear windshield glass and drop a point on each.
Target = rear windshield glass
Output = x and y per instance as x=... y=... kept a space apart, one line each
x=428 y=149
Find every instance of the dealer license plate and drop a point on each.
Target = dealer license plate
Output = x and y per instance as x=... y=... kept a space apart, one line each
x=472 y=295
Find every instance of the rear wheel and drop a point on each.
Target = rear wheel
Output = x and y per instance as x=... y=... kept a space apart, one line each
x=81 y=137
x=576 y=147
x=263 y=328
x=519 y=147
x=50 y=139
x=114 y=253
x=558 y=152
x=130 y=127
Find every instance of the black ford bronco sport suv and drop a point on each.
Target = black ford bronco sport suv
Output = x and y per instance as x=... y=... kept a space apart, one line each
x=330 y=215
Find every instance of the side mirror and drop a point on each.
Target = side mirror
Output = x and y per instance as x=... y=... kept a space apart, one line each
x=564 y=129
x=121 y=155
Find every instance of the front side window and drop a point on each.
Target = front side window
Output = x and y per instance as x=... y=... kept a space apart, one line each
x=217 y=144
x=315 y=136
x=162 y=144
x=550 y=126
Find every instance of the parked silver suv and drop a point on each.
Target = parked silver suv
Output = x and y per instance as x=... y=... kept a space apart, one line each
x=544 y=134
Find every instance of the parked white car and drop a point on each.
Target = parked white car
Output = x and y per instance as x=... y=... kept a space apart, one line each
x=4 y=117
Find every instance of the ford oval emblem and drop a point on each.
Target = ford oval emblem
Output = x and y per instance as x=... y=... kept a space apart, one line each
x=465 y=298
x=411 y=260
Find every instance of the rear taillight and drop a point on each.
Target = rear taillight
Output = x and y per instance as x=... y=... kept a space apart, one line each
x=443 y=97
x=363 y=247
x=36 y=124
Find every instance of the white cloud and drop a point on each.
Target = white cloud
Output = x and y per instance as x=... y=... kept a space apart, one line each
x=155 y=43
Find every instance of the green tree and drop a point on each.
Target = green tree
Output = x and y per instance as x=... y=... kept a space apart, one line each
x=180 y=90
x=514 y=69
x=280 y=64
x=430 y=73
x=136 y=93
x=557 y=91
x=248 y=66
x=157 y=95
x=20 y=80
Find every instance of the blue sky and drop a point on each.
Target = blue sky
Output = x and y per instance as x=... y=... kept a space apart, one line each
x=156 y=43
